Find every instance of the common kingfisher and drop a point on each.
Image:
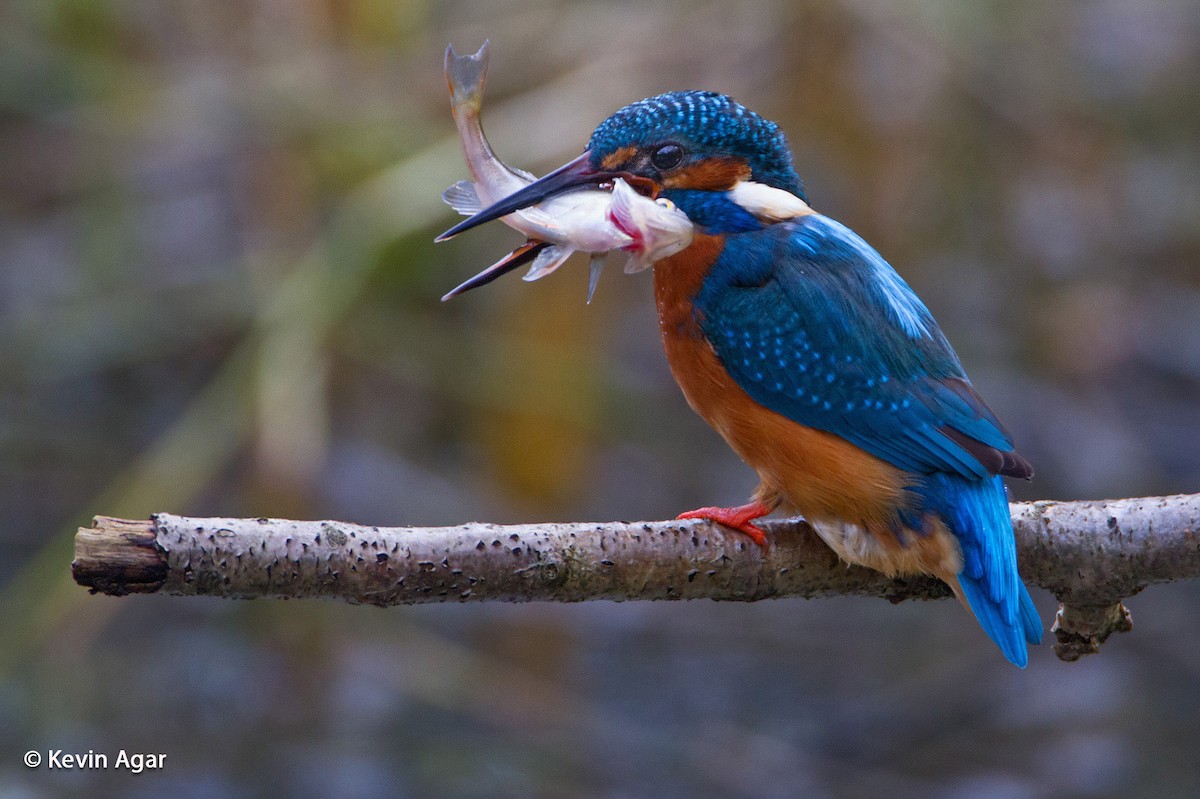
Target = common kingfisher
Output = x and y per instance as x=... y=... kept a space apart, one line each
x=811 y=356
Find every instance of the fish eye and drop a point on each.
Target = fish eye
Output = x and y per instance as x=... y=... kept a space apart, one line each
x=663 y=202
x=667 y=156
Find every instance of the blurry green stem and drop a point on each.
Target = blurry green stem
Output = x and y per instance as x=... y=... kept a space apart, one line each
x=297 y=317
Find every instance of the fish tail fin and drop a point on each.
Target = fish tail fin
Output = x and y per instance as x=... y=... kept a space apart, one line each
x=976 y=512
x=466 y=75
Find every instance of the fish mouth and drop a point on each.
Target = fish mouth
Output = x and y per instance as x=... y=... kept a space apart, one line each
x=575 y=174
x=627 y=227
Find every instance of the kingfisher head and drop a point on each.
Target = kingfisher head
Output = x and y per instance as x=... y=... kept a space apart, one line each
x=726 y=167
x=699 y=141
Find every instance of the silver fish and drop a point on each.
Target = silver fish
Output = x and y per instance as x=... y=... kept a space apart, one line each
x=587 y=220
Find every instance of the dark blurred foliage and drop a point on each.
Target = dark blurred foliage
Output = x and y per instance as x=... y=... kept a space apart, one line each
x=219 y=295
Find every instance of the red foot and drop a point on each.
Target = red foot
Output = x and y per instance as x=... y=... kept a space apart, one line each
x=738 y=518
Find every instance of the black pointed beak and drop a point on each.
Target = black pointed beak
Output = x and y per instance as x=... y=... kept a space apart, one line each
x=522 y=255
x=570 y=175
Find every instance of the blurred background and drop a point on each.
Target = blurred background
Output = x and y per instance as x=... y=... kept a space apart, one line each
x=219 y=296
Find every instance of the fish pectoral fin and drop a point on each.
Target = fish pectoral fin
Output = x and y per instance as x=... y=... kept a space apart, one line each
x=463 y=197
x=637 y=263
x=547 y=261
x=536 y=216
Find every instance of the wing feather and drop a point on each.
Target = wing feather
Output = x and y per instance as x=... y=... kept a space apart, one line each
x=813 y=324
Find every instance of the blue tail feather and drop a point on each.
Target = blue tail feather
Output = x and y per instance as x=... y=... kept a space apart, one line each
x=976 y=512
x=1030 y=619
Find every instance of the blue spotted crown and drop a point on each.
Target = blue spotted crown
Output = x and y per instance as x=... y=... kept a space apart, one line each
x=713 y=123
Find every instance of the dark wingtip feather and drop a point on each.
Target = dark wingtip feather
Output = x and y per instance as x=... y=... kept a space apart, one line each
x=1009 y=464
x=1016 y=466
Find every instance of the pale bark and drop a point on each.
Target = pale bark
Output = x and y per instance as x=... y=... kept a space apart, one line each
x=1091 y=555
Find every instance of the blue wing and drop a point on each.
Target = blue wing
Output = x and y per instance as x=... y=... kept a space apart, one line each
x=812 y=323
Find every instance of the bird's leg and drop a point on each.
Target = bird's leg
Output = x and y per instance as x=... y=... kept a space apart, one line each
x=739 y=518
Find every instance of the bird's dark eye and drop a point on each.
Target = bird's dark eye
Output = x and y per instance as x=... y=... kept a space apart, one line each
x=667 y=156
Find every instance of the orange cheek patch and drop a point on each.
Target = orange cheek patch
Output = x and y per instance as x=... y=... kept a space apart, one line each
x=618 y=158
x=711 y=174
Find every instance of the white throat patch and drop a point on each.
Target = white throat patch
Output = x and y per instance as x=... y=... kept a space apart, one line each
x=767 y=203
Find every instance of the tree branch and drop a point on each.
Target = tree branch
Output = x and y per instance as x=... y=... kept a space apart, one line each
x=1091 y=555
